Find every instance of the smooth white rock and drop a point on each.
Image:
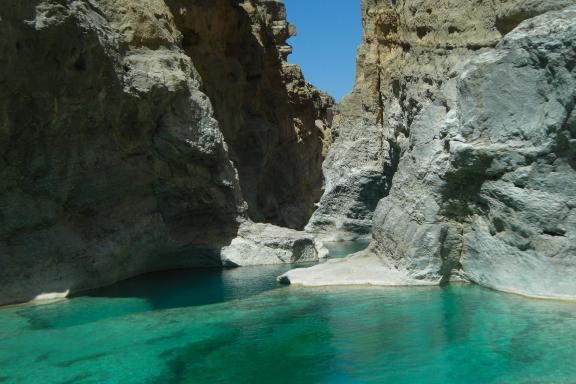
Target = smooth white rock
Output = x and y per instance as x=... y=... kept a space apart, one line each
x=362 y=268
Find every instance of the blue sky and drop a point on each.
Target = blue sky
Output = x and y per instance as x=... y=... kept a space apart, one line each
x=329 y=32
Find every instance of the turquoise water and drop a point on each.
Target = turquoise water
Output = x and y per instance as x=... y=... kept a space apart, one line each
x=239 y=326
x=344 y=248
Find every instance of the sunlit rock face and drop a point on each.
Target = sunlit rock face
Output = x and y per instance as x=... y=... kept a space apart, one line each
x=361 y=162
x=514 y=156
x=126 y=147
x=410 y=52
x=475 y=108
x=263 y=244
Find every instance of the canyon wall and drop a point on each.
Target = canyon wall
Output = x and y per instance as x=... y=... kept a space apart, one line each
x=462 y=125
x=274 y=123
x=140 y=135
x=359 y=167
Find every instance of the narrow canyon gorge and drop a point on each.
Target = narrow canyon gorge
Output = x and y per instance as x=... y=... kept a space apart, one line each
x=149 y=135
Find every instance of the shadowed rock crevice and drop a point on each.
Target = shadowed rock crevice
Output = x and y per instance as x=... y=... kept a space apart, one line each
x=275 y=124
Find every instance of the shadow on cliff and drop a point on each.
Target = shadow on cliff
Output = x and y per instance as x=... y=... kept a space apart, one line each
x=270 y=130
x=193 y=287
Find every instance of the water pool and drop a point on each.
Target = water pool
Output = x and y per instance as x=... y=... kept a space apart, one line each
x=239 y=326
x=339 y=249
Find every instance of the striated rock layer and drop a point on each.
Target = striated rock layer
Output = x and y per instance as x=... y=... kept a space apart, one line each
x=477 y=123
x=133 y=133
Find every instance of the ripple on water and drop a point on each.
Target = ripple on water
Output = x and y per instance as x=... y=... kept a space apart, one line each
x=252 y=331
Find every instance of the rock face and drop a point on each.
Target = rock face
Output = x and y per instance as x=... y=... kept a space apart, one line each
x=513 y=155
x=274 y=123
x=359 y=167
x=483 y=129
x=133 y=133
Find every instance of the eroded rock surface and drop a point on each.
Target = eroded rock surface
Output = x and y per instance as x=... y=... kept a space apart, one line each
x=514 y=155
x=361 y=162
x=483 y=129
x=275 y=124
x=261 y=244
x=133 y=133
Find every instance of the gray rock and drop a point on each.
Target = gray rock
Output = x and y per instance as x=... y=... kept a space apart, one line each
x=363 y=268
x=354 y=181
x=484 y=189
x=112 y=161
x=275 y=124
x=516 y=116
x=361 y=160
x=260 y=244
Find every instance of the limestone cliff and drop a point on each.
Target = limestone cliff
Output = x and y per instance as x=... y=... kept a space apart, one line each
x=463 y=116
x=133 y=133
x=359 y=167
x=275 y=124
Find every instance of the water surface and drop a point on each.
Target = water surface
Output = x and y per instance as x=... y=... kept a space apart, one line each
x=339 y=249
x=239 y=326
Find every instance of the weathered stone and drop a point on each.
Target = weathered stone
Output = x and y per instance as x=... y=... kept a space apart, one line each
x=260 y=244
x=483 y=127
x=267 y=112
x=516 y=116
x=363 y=268
x=361 y=161
x=113 y=160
